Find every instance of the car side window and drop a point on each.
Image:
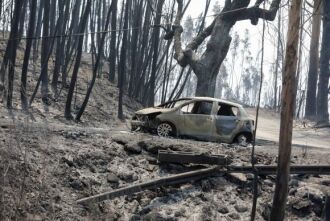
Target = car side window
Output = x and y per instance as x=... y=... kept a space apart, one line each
x=202 y=107
x=186 y=109
x=227 y=110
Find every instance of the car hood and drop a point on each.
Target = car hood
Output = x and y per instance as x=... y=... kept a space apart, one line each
x=152 y=110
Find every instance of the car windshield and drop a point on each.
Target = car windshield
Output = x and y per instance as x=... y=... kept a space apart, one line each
x=173 y=104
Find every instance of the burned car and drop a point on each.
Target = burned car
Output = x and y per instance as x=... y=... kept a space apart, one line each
x=202 y=118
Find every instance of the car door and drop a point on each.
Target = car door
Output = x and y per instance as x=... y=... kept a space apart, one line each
x=198 y=119
x=226 y=122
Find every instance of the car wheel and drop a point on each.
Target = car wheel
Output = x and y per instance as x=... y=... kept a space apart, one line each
x=242 y=140
x=165 y=129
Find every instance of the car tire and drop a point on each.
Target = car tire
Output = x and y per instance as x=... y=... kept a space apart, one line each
x=165 y=129
x=242 y=140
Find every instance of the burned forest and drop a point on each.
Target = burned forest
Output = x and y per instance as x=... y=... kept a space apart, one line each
x=164 y=110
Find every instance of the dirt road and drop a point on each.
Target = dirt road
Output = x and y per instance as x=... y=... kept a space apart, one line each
x=269 y=130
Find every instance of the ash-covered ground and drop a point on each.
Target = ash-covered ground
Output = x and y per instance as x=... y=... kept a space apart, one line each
x=45 y=168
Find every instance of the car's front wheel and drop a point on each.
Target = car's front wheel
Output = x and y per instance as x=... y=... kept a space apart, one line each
x=165 y=129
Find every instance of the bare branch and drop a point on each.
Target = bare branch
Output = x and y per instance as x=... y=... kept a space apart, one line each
x=254 y=13
x=198 y=40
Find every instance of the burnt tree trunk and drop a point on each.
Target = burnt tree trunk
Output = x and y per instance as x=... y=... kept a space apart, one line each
x=96 y=66
x=12 y=46
x=323 y=85
x=44 y=53
x=122 y=64
x=81 y=29
x=206 y=67
x=113 y=51
x=59 y=47
x=30 y=33
x=155 y=44
x=287 y=112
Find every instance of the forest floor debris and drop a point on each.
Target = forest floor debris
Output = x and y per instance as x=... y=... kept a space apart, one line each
x=51 y=170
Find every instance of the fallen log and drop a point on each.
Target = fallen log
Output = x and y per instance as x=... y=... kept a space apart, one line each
x=200 y=174
x=271 y=169
x=188 y=157
x=165 y=156
x=164 y=181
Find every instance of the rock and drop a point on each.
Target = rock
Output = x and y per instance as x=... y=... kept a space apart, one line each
x=292 y=191
x=238 y=178
x=325 y=182
x=241 y=208
x=135 y=217
x=121 y=139
x=128 y=177
x=57 y=198
x=293 y=183
x=77 y=185
x=301 y=204
x=206 y=185
x=234 y=216
x=151 y=160
x=153 y=216
x=132 y=147
x=268 y=182
x=180 y=212
x=223 y=209
x=313 y=194
x=151 y=168
x=68 y=160
x=112 y=178
x=152 y=146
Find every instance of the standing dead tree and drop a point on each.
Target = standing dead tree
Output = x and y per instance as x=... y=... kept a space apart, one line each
x=287 y=112
x=323 y=85
x=310 y=109
x=30 y=32
x=82 y=27
x=10 y=54
x=206 y=67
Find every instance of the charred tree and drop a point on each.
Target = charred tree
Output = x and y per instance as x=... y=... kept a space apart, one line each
x=44 y=54
x=122 y=63
x=11 y=50
x=323 y=85
x=29 y=41
x=96 y=66
x=81 y=29
x=206 y=67
x=155 y=44
x=59 y=46
x=113 y=39
x=287 y=112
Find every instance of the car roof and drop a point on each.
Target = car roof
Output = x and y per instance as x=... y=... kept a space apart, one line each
x=214 y=99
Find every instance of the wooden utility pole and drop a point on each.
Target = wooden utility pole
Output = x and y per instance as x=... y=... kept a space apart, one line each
x=287 y=112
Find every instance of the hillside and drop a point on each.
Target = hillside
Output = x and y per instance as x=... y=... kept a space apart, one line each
x=47 y=163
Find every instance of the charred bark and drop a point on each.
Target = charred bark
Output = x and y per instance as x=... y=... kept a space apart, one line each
x=322 y=94
x=82 y=27
x=30 y=33
x=122 y=64
x=12 y=47
x=113 y=51
x=207 y=66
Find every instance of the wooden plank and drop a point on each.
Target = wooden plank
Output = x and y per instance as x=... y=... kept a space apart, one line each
x=164 y=181
x=200 y=174
x=165 y=156
x=271 y=169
